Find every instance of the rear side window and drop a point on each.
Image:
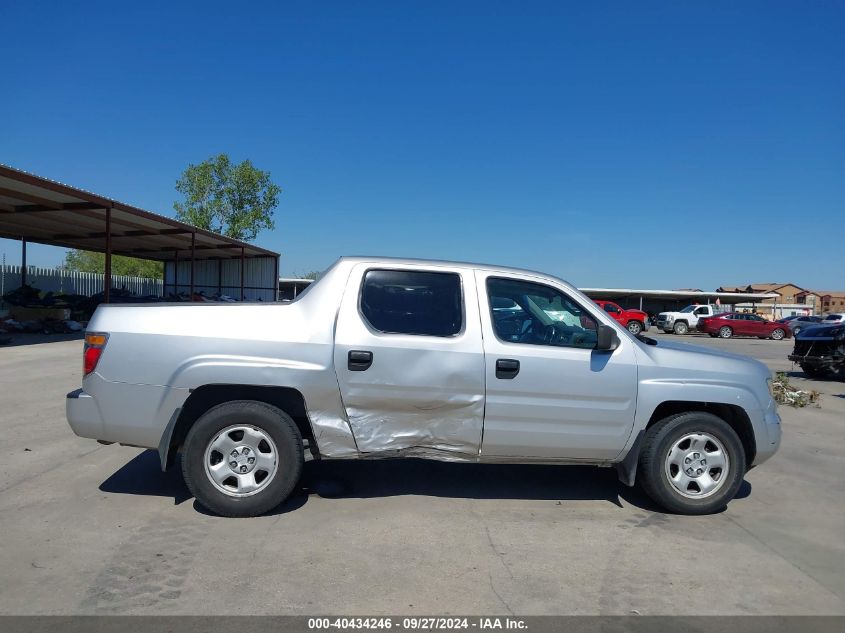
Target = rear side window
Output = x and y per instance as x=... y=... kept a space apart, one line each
x=412 y=302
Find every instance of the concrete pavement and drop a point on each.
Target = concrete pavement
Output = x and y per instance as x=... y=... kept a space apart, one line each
x=95 y=529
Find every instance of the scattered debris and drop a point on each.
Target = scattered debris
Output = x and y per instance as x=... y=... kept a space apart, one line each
x=784 y=393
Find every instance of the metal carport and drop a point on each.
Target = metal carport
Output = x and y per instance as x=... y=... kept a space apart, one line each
x=35 y=209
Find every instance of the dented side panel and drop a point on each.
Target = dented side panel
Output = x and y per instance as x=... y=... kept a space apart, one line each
x=422 y=395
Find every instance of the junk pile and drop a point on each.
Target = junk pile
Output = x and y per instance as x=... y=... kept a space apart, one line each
x=784 y=393
x=200 y=297
x=34 y=311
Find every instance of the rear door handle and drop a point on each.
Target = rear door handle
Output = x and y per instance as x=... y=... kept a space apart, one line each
x=507 y=368
x=359 y=360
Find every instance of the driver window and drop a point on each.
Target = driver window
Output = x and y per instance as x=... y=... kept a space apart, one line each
x=525 y=312
x=701 y=311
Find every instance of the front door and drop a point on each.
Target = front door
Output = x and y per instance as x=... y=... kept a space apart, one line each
x=409 y=360
x=550 y=393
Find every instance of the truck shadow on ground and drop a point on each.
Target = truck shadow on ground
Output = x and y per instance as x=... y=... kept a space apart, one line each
x=397 y=477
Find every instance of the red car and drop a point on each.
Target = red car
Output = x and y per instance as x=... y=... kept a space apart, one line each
x=730 y=324
x=634 y=320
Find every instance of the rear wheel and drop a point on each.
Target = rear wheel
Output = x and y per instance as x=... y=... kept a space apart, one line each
x=681 y=328
x=635 y=327
x=242 y=458
x=691 y=463
x=725 y=332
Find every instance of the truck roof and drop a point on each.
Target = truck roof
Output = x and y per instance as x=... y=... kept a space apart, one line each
x=442 y=262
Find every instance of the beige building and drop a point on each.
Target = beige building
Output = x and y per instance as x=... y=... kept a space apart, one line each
x=824 y=301
x=792 y=299
x=787 y=293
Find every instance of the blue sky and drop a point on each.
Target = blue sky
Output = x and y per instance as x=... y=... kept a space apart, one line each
x=638 y=144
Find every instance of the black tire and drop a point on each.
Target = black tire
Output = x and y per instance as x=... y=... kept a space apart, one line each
x=659 y=439
x=713 y=335
x=814 y=372
x=725 y=332
x=680 y=327
x=778 y=334
x=269 y=420
x=635 y=327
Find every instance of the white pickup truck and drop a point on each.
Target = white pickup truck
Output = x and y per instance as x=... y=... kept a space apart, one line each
x=685 y=320
x=408 y=358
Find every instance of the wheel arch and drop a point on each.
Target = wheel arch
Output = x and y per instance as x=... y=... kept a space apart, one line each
x=201 y=399
x=733 y=414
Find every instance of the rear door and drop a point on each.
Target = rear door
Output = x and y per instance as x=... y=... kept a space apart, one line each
x=409 y=360
x=550 y=394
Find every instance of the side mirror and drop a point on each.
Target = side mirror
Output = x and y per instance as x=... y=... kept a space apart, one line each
x=606 y=338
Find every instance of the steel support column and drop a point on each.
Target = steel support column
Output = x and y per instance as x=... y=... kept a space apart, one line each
x=107 y=276
x=242 y=273
x=176 y=273
x=220 y=276
x=276 y=281
x=23 y=261
x=193 y=254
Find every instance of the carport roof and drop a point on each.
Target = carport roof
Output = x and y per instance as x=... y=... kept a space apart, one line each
x=48 y=212
x=693 y=296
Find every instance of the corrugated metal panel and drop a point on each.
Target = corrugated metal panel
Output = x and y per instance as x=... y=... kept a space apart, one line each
x=224 y=276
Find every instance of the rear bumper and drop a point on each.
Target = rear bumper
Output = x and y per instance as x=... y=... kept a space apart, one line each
x=83 y=415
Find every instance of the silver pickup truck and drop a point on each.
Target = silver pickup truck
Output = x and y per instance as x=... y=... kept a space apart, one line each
x=409 y=358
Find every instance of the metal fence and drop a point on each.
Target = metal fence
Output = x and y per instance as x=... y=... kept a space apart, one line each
x=59 y=280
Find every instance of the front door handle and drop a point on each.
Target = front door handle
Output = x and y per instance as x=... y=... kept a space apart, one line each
x=359 y=360
x=507 y=368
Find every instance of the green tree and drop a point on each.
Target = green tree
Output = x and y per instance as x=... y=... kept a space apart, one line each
x=233 y=199
x=90 y=262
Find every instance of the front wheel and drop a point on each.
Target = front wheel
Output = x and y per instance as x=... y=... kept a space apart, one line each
x=778 y=334
x=691 y=463
x=681 y=328
x=635 y=327
x=242 y=458
x=725 y=332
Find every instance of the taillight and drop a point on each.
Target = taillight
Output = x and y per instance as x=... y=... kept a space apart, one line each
x=95 y=343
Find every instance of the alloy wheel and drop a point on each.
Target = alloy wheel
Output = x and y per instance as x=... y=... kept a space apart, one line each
x=241 y=460
x=697 y=465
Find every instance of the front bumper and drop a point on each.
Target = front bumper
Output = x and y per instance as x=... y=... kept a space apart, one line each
x=83 y=415
x=666 y=326
x=768 y=443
